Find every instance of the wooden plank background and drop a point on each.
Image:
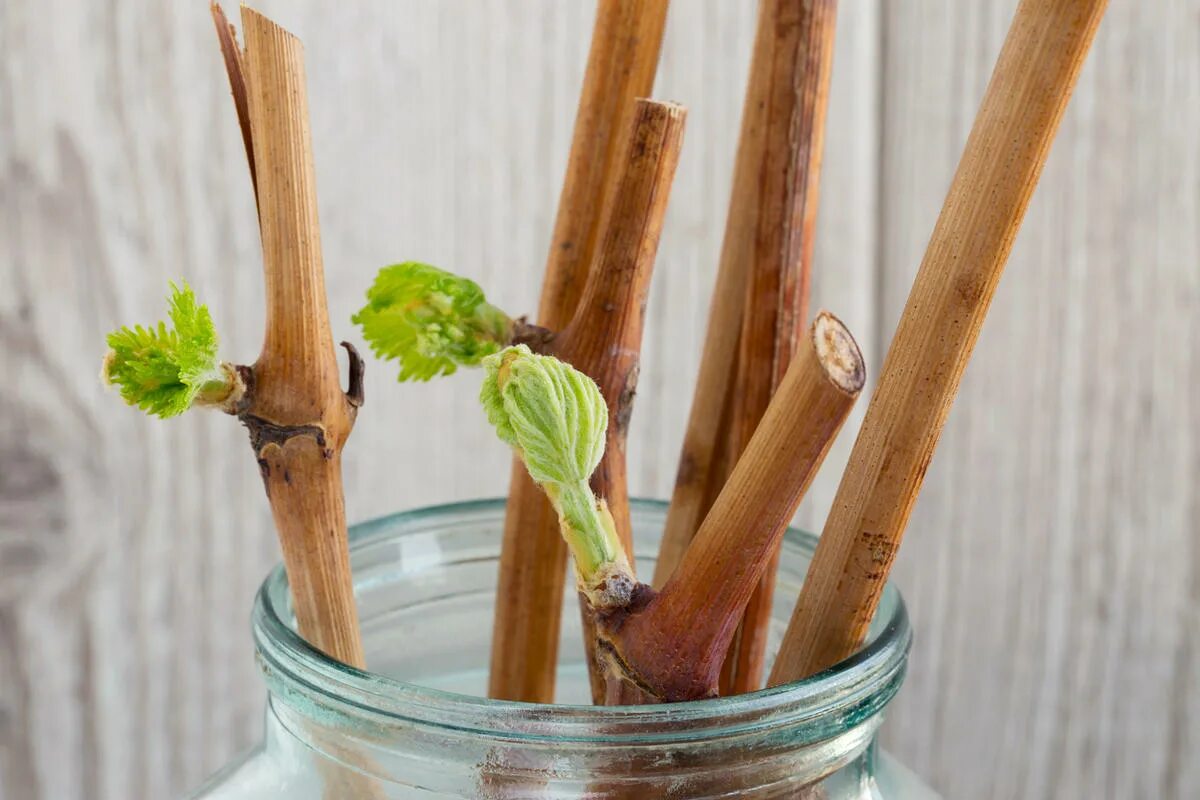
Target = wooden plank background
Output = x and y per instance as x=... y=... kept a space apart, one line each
x=1053 y=562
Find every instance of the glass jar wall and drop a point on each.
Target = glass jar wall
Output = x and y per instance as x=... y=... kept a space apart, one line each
x=417 y=726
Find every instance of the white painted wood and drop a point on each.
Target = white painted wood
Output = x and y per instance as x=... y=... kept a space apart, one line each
x=1052 y=660
x=1052 y=565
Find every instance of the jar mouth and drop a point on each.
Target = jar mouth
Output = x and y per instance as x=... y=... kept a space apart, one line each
x=814 y=708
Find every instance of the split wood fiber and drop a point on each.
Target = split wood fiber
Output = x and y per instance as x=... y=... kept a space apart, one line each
x=800 y=37
x=236 y=70
x=1000 y=166
x=622 y=62
x=670 y=646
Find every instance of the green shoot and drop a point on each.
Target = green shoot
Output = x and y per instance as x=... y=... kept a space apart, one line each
x=162 y=370
x=555 y=418
x=430 y=320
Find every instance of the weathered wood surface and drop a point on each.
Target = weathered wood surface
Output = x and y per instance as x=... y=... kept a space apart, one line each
x=1053 y=563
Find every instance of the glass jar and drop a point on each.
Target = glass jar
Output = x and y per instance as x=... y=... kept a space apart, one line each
x=418 y=727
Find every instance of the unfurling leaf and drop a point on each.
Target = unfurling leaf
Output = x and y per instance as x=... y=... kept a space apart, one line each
x=430 y=320
x=162 y=370
x=555 y=418
x=552 y=412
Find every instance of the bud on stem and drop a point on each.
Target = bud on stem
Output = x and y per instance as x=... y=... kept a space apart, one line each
x=556 y=419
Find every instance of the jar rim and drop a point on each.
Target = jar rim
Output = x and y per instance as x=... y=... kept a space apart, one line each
x=822 y=705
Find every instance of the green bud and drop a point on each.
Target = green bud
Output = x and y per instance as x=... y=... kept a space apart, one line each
x=556 y=419
x=164 y=371
x=550 y=411
x=430 y=320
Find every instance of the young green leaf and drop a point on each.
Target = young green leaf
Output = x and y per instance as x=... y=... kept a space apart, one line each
x=555 y=418
x=430 y=320
x=164 y=370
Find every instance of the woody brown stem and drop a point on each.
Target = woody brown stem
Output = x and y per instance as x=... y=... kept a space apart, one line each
x=771 y=211
x=670 y=646
x=604 y=339
x=799 y=38
x=1000 y=166
x=699 y=478
x=622 y=62
x=296 y=412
